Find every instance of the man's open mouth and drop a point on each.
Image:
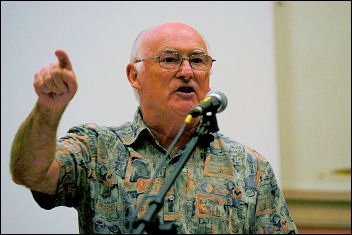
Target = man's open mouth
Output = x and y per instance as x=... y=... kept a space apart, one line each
x=185 y=90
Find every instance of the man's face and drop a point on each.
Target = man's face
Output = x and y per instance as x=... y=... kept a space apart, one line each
x=172 y=91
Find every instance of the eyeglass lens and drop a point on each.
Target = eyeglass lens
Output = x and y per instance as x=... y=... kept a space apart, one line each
x=173 y=60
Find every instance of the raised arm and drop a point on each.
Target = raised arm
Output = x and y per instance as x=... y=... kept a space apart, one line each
x=33 y=150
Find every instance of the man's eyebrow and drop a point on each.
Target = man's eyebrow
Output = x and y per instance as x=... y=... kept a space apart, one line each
x=168 y=50
x=197 y=52
x=194 y=52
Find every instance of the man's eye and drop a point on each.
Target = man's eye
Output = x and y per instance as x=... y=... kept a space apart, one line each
x=198 y=59
x=169 y=59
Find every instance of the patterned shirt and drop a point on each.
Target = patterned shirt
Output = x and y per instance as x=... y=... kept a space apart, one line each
x=225 y=187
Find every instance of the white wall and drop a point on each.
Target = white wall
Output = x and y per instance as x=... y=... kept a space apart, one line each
x=314 y=90
x=98 y=38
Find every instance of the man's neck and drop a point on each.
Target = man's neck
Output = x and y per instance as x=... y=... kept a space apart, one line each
x=165 y=128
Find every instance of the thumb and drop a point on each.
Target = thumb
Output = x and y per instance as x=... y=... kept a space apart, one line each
x=64 y=60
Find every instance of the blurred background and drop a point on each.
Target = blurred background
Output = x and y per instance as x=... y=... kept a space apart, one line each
x=285 y=67
x=313 y=65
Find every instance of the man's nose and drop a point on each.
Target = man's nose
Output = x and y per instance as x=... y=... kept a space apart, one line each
x=185 y=69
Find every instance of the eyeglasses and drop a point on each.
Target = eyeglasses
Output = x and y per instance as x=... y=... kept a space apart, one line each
x=173 y=60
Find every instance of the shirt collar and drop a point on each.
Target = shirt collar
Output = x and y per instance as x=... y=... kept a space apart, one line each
x=131 y=131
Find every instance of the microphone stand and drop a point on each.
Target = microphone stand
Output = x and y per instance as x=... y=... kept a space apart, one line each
x=150 y=221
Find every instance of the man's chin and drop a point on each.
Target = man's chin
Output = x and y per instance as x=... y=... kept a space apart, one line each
x=183 y=110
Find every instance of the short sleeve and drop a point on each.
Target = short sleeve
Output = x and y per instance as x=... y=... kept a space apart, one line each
x=272 y=215
x=73 y=156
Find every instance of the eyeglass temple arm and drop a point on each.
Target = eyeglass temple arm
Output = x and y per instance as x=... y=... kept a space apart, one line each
x=139 y=60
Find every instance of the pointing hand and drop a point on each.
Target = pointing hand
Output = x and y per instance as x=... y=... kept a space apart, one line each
x=56 y=84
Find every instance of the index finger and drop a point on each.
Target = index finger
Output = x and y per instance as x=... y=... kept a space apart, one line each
x=64 y=60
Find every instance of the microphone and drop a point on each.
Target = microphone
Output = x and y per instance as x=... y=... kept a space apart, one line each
x=214 y=101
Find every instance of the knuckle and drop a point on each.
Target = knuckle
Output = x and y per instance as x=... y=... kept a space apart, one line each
x=36 y=77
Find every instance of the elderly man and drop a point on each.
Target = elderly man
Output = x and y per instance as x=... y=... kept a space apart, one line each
x=104 y=172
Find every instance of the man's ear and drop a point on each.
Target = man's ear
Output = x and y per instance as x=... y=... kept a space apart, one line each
x=132 y=76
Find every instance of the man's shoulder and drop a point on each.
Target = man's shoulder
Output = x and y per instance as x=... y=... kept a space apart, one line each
x=246 y=161
x=93 y=130
x=236 y=149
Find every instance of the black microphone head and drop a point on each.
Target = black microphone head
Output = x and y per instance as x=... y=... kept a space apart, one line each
x=220 y=96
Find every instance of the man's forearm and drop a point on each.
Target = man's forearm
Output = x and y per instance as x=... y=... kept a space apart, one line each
x=34 y=147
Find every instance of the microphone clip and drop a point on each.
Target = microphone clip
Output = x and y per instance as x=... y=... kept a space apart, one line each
x=211 y=106
x=209 y=120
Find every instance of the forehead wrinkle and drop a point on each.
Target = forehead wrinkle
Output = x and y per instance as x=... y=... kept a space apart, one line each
x=192 y=52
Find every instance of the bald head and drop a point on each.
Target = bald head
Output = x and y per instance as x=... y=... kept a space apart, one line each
x=145 y=41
